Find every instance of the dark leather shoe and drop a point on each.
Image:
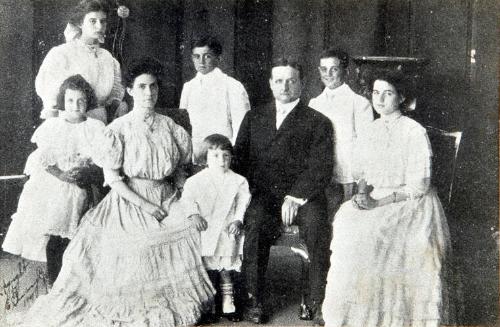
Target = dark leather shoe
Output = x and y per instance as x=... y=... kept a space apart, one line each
x=318 y=317
x=234 y=317
x=253 y=312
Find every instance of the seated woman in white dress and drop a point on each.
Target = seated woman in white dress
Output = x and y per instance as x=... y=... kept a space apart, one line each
x=389 y=241
x=130 y=262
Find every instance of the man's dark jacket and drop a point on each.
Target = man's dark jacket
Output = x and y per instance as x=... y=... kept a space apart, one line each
x=296 y=160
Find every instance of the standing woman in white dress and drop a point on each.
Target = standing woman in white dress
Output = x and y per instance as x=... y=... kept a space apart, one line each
x=389 y=241
x=82 y=54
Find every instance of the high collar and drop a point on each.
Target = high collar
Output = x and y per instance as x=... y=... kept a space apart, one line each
x=342 y=89
x=285 y=108
x=214 y=74
x=91 y=48
x=391 y=120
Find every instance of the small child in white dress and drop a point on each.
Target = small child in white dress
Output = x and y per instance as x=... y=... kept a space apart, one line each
x=216 y=200
x=55 y=197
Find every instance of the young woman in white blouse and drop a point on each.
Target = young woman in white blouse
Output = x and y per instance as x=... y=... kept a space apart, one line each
x=82 y=54
x=389 y=241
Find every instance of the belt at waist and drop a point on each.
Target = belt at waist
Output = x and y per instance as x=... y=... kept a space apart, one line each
x=148 y=182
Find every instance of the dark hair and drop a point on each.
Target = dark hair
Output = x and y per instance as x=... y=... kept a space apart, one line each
x=396 y=78
x=216 y=141
x=143 y=65
x=288 y=61
x=86 y=6
x=77 y=83
x=207 y=41
x=336 y=53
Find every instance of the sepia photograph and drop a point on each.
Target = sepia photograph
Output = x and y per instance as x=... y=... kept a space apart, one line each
x=171 y=163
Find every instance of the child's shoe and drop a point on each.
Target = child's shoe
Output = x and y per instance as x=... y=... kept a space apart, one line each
x=227 y=298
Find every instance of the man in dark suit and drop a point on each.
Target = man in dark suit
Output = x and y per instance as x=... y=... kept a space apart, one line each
x=284 y=149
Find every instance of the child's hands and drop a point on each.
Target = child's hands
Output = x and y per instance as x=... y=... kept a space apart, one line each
x=234 y=227
x=68 y=176
x=198 y=221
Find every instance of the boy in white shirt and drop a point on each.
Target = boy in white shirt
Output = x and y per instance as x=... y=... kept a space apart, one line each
x=349 y=113
x=216 y=102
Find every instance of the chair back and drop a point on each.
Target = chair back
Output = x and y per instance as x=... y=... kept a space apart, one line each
x=445 y=146
x=179 y=116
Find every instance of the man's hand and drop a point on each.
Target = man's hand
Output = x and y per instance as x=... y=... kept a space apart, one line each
x=198 y=221
x=289 y=211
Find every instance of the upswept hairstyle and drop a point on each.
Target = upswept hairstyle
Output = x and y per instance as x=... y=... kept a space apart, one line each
x=338 y=53
x=216 y=141
x=209 y=41
x=396 y=78
x=288 y=61
x=77 y=83
x=143 y=65
x=84 y=7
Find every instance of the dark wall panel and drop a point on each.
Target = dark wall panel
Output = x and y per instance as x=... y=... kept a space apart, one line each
x=16 y=36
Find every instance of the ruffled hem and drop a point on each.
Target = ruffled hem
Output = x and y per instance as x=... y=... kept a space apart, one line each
x=386 y=265
x=23 y=241
x=134 y=281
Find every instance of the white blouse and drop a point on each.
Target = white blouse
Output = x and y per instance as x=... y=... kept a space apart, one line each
x=96 y=65
x=149 y=151
x=395 y=154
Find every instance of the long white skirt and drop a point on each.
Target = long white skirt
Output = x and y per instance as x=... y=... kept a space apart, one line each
x=124 y=268
x=385 y=265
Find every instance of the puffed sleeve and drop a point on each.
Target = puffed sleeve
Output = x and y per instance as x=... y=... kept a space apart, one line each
x=242 y=200
x=118 y=91
x=183 y=141
x=53 y=71
x=43 y=137
x=418 y=170
x=108 y=149
x=239 y=105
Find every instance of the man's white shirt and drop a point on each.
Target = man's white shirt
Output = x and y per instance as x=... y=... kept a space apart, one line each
x=349 y=113
x=216 y=103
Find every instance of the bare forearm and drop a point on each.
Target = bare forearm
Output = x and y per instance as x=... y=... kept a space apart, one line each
x=54 y=171
x=392 y=198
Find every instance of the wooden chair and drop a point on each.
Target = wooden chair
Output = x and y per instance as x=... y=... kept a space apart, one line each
x=445 y=146
x=290 y=238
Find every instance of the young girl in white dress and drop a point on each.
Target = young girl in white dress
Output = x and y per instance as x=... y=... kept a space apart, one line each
x=390 y=240
x=216 y=200
x=54 y=198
